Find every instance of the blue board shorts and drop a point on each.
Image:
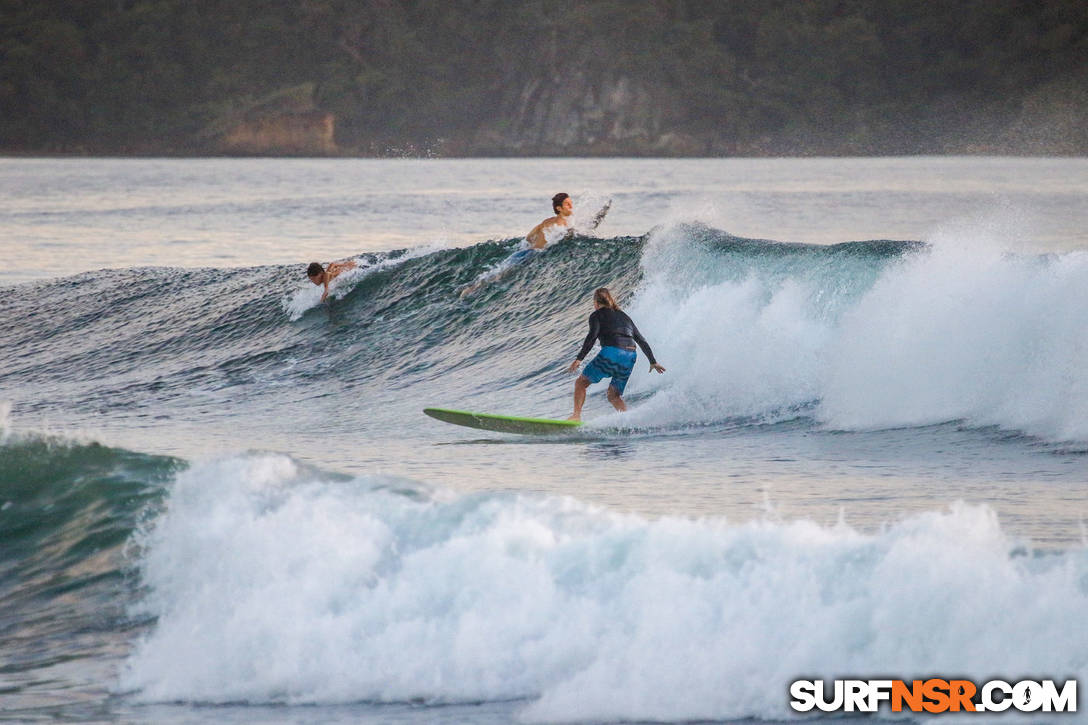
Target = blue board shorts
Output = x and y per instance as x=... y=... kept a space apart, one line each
x=520 y=255
x=611 y=362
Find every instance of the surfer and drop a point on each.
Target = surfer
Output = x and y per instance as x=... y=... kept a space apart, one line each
x=618 y=335
x=536 y=240
x=563 y=206
x=323 y=275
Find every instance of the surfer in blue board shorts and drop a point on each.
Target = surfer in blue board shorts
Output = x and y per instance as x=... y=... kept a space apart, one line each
x=618 y=335
x=323 y=275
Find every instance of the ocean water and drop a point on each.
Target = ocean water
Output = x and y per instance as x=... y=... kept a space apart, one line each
x=220 y=500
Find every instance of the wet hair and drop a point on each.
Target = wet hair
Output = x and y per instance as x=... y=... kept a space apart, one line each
x=314 y=269
x=604 y=298
x=558 y=199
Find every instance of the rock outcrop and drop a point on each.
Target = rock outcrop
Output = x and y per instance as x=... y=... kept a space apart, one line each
x=286 y=123
x=294 y=134
x=583 y=115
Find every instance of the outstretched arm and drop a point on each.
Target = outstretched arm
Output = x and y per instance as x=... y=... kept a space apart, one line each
x=599 y=216
x=646 y=349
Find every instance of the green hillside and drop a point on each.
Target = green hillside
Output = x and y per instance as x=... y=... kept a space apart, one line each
x=471 y=77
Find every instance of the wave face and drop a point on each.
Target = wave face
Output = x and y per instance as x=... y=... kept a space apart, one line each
x=67 y=511
x=271 y=583
x=165 y=342
x=853 y=336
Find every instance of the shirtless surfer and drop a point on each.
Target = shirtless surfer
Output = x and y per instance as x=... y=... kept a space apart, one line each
x=543 y=233
x=323 y=275
x=563 y=207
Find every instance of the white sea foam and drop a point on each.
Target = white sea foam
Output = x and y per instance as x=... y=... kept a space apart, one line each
x=961 y=330
x=271 y=584
x=962 y=333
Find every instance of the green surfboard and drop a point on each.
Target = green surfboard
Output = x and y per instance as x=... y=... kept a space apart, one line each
x=503 y=423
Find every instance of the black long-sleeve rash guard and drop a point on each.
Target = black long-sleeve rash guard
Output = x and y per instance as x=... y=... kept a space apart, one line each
x=615 y=329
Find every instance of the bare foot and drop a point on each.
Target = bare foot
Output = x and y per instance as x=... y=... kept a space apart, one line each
x=575 y=417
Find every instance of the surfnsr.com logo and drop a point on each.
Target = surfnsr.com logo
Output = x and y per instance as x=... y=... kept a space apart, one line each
x=935 y=695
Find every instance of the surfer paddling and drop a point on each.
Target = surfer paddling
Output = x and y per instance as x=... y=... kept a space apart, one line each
x=323 y=275
x=563 y=206
x=537 y=239
x=618 y=335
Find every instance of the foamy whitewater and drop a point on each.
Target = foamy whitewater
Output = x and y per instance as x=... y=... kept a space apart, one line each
x=220 y=499
x=959 y=331
x=271 y=583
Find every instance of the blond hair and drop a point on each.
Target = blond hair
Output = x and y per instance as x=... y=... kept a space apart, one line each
x=604 y=298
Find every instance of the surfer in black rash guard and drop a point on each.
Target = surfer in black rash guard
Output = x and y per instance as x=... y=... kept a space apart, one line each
x=618 y=335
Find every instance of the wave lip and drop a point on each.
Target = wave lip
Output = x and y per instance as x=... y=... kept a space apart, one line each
x=273 y=584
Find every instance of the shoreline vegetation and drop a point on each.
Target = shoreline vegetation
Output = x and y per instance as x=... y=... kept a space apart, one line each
x=490 y=78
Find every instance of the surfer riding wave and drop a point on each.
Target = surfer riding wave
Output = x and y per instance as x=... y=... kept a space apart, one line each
x=618 y=335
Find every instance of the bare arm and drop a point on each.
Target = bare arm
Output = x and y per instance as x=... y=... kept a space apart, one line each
x=537 y=238
x=333 y=271
x=336 y=268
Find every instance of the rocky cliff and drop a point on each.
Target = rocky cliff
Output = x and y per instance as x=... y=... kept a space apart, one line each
x=307 y=133
x=584 y=115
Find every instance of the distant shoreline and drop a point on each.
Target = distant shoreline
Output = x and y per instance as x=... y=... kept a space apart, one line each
x=988 y=153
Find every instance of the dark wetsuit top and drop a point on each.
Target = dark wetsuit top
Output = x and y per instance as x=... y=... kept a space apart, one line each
x=615 y=329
